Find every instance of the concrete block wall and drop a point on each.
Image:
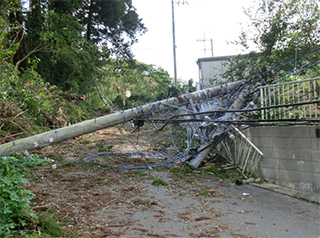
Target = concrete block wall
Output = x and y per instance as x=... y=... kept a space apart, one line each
x=291 y=155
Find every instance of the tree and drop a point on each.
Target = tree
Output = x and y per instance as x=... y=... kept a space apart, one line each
x=146 y=82
x=54 y=37
x=279 y=29
x=113 y=24
x=280 y=24
x=70 y=39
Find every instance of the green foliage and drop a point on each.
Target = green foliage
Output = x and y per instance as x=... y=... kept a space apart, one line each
x=184 y=170
x=280 y=30
x=146 y=82
x=159 y=182
x=72 y=37
x=285 y=24
x=190 y=86
x=15 y=211
x=112 y=24
x=68 y=38
x=139 y=173
x=244 y=67
x=27 y=98
x=103 y=146
x=60 y=50
x=66 y=59
x=203 y=193
x=174 y=169
x=222 y=173
x=49 y=225
x=28 y=103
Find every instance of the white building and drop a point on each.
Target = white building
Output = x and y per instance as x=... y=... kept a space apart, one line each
x=211 y=68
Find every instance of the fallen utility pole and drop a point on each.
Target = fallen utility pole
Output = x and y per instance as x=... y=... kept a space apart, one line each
x=237 y=104
x=85 y=127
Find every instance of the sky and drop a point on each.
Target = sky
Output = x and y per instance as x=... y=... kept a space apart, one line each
x=196 y=23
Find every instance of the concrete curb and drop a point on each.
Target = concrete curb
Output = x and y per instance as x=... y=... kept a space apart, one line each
x=309 y=196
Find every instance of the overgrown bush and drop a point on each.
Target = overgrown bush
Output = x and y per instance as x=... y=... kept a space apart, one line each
x=28 y=104
x=15 y=211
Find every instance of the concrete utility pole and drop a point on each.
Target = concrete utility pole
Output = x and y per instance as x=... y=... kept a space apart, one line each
x=174 y=40
x=174 y=46
x=237 y=104
x=85 y=127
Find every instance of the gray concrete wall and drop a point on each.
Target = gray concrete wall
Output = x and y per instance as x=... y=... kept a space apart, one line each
x=291 y=156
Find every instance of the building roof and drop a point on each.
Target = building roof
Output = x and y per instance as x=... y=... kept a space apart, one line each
x=219 y=58
x=216 y=58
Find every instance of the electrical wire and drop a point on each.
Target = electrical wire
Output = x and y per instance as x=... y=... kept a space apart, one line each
x=223 y=110
x=102 y=98
x=277 y=67
x=128 y=153
x=169 y=163
x=146 y=142
x=188 y=134
x=233 y=95
x=295 y=71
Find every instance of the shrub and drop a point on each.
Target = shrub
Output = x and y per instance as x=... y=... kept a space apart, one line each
x=15 y=211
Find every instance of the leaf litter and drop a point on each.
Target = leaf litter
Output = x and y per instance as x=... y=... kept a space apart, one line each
x=91 y=202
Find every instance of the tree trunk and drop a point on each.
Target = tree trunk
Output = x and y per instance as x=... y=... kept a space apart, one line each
x=89 y=23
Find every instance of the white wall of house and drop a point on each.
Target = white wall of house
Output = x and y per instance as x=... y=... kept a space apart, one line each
x=210 y=68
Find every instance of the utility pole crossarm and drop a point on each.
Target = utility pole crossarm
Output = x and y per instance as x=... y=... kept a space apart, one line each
x=204 y=41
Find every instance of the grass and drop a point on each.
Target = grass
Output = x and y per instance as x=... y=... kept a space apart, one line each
x=139 y=173
x=97 y=179
x=40 y=181
x=184 y=170
x=103 y=146
x=162 y=168
x=49 y=225
x=159 y=182
x=110 y=211
x=232 y=174
x=204 y=193
x=174 y=169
